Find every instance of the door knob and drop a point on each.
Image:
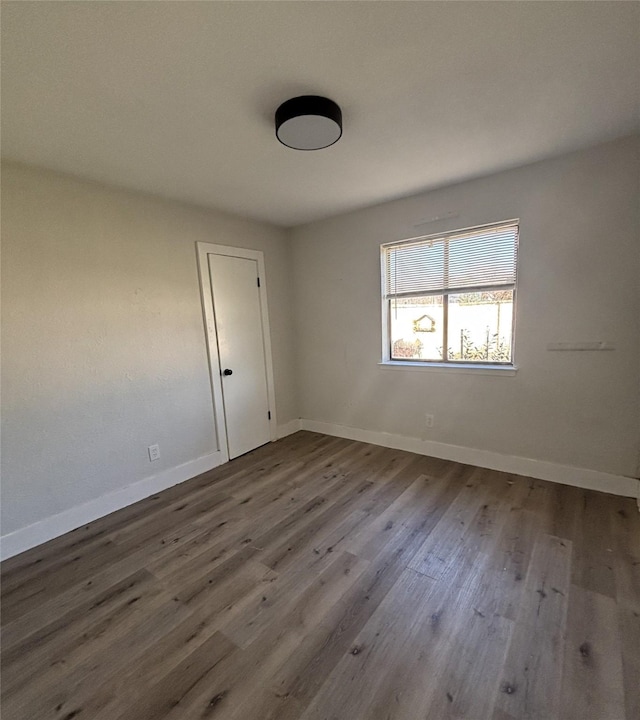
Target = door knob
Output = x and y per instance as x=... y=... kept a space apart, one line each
x=227 y=372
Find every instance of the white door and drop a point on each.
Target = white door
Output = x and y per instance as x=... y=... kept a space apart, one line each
x=241 y=349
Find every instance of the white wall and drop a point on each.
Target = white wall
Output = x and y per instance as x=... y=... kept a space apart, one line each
x=104 y=352
x=579 y=280
x=103 y=341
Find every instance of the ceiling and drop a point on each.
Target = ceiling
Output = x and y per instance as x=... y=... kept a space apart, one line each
x=177 y=98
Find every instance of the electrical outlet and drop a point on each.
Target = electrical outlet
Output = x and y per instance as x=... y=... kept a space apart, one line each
x=154 y=452
x=428 y=420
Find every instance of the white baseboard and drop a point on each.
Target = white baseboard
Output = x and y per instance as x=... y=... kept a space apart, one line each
x=565 y=474
x=288 y=428
x=51 y=527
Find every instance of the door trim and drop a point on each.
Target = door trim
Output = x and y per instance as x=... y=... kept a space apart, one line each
x=206 y=294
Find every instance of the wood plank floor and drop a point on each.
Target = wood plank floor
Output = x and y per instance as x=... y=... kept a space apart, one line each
x=324 y=579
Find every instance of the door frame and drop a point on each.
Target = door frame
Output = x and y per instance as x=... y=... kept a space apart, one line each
x=206 y=293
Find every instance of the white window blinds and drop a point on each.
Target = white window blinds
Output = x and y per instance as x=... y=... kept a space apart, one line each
x=465 y=261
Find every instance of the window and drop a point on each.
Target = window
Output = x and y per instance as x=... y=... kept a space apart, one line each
x=451 y=298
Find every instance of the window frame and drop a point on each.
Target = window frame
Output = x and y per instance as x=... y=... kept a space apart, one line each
x=445 y=362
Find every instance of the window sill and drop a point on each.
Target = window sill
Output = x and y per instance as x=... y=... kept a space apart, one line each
x=465 y=368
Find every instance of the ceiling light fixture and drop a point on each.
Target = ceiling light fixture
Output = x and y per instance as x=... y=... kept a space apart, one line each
x=308 y=122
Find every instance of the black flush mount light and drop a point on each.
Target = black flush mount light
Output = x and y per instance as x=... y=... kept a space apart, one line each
x=308 y=122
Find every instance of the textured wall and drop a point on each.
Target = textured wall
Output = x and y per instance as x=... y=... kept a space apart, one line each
x=103 y=341
x=103 y=346
x=578 y=281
